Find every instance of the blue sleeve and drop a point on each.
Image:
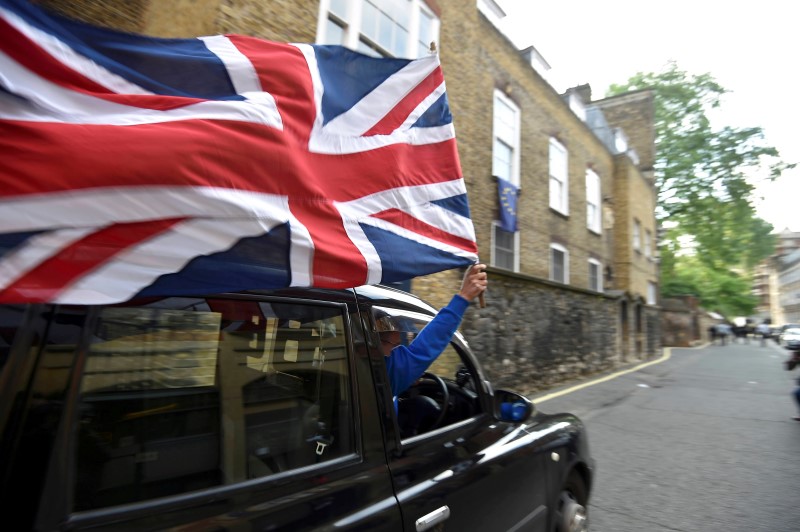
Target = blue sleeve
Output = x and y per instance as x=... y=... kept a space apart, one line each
x=407 y=363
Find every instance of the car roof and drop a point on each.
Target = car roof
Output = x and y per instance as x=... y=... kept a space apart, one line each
x=380 y=295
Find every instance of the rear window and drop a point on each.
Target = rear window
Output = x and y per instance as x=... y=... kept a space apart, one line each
x=184 y=394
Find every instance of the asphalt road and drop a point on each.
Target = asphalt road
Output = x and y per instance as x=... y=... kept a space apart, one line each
x=701 y=441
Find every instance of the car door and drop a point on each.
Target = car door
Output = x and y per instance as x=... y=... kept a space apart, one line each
x=470 y=473
x=202 y=413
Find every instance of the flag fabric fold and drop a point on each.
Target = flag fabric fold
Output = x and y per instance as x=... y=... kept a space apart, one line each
x=507 y=195
x=141 y=166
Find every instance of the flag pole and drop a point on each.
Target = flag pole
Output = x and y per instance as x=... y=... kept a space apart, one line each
x=481 y=300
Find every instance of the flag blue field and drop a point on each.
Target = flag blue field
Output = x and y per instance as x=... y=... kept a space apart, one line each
x=146 y=166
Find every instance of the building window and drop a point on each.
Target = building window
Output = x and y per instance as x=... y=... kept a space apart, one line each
x=648 y=244
x=559 y=264
x=386 y=28
x=652 y=293
x=558 y=177
x=593 y=210
x=637 y=235
x=595 y=275
x=505 y=248
x=506 y=131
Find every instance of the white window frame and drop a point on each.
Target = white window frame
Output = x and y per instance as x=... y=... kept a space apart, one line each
x=593 y=199
x=352 y=22
x=652 y=293
x=563 y=250
x=599 y=266
x=493 y=258
x=648 y=244
x=637 y=236
x=501 y=134
x=559 y=174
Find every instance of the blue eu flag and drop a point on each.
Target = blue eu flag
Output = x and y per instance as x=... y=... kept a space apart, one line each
x=507 y=196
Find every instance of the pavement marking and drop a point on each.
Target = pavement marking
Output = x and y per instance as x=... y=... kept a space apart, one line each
x=667 y=354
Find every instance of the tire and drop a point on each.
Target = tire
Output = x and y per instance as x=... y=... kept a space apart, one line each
x=571 y=512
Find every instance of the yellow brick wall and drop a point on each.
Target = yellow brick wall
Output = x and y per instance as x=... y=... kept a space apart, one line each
x=476 y=59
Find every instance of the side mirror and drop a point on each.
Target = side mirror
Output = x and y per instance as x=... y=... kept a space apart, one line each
x=512 y=407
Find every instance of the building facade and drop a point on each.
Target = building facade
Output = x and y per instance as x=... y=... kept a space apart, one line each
x=573 y=291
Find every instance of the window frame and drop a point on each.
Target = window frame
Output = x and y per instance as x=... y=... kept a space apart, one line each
x=493 y=258
x=354 y=37
x=498 y=136
x=593 y=198
x=636 y=236
x=559 y=200
x=599 y=265
x=652 y=293
x=555 y=247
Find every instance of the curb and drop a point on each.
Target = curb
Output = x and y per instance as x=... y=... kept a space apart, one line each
x=666 y=356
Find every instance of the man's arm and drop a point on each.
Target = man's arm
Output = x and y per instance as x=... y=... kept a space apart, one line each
x=407 y=363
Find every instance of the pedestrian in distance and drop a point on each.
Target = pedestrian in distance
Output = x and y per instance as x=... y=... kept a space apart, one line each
x=790 y=364
x=723 y=331
x=762 y=330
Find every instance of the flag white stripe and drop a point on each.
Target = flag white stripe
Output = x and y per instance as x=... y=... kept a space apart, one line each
x=423 y=106
x=301 y=254
x=328 y=143
x=35 y=251
x=416 y=201
x=48 y=102
x=357 y=236
x=241 y=71
x=373 y=107
x=416 y=237
x=100 y=207
x=70 y=58
x=140 y=265
x=329 y=140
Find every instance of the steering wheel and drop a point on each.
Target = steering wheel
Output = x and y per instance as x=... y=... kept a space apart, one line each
x=418 y=412
x=445 y=397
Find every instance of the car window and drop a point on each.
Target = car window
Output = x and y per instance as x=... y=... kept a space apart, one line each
x=427 y=405
x=183 y=394
x=10 y=320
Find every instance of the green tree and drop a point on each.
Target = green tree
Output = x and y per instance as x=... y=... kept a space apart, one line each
x=704 y=178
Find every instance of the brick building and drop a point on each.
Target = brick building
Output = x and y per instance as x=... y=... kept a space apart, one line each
x=573 y=291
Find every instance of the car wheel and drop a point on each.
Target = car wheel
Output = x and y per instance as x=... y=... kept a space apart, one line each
x=571 y=513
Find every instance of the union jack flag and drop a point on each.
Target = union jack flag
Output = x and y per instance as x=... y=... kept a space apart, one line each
x=139 y=166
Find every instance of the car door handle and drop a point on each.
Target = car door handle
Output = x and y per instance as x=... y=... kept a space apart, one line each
x=432 y=519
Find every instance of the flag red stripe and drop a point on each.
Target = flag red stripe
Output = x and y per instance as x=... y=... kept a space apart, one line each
x=335 y=255
x=395 y=118
x=283 y=72
x=235 y=155
x=44 y=282
x=36 y=59
x=401 y=219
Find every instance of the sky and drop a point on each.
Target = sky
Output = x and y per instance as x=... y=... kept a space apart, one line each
x=750 y=48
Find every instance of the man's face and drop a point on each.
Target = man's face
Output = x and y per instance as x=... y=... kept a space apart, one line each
x=389 y=340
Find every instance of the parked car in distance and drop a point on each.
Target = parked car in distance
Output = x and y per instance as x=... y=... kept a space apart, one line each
x=790 y=338
x=268 y=410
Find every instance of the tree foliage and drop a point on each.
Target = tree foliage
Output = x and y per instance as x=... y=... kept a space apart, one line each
x=704 y=176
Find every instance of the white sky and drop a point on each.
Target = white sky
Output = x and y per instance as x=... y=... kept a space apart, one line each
x=750 y=48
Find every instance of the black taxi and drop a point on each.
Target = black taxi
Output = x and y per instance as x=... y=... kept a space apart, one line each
x=267 y=411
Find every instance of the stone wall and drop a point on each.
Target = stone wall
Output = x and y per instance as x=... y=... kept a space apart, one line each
x=684 y=323
x=534 y=334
